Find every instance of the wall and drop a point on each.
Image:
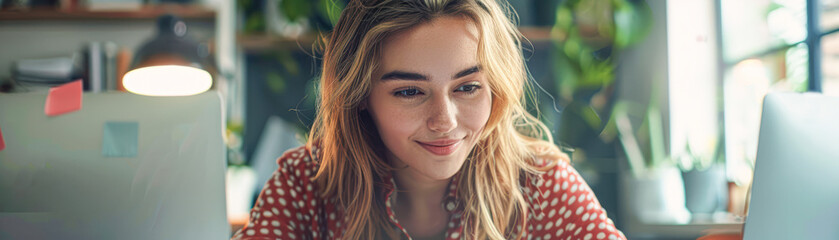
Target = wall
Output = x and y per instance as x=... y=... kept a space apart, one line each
x=56 y=38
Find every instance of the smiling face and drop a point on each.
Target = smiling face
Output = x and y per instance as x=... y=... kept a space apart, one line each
x=430 y=101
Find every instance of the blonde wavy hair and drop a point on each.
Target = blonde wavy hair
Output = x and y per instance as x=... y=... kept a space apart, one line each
x=351 y=152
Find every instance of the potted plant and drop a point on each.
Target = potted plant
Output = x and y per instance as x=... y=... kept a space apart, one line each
x=588 y=37
x=654 y=190
x=703 y=172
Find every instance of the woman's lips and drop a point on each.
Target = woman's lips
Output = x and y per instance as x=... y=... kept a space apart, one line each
x=441 y=147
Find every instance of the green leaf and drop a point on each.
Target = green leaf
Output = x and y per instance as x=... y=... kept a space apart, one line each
x=288 y=62
x=235 y=126
x=243 y=4
x=573 y=45
x=255 y=23
x=579 y=124
x=312 y=89
x=656 y=136
x=296 y=10
x=330 y=9
x=276 y=82
x=598 y=75
x=633 y=22
x=564 y=17
x=567 y=74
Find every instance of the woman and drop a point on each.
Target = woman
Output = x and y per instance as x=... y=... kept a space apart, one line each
x=421 y=133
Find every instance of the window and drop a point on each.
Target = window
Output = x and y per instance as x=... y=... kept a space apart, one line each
x=770 y=46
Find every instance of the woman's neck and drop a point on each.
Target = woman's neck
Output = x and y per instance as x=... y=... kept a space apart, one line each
x=419 y=204
x=419 y=192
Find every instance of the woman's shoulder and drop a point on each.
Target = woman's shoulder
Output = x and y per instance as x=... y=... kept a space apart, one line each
x=564 y=204
x=546 y=154
x=299 y=161
x=555 y=174
x=288 y=205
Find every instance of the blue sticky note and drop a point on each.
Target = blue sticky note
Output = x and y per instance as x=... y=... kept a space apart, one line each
x=120 y=139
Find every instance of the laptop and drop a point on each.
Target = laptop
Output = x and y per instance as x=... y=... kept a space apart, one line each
x=125 y=166
x=795 y=191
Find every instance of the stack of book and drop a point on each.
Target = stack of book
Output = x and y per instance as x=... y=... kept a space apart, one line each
x=42 y=74
x=96 y=65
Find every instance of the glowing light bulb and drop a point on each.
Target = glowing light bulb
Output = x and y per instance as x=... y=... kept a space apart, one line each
x=167 y=80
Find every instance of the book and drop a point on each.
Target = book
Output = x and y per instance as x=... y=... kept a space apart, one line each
x=94 y=78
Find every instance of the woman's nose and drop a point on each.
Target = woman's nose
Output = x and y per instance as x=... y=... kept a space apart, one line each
x=443 y=115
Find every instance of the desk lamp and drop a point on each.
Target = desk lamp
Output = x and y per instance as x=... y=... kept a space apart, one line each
x=170 y=64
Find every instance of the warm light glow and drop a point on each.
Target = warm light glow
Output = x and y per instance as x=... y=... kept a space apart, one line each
x=170 y=80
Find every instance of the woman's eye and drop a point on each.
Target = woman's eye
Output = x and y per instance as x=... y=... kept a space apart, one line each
x=468 y=88
x=407 y=92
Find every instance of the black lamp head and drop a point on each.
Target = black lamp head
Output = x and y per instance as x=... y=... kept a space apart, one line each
x=171 y=44
x=170 y=64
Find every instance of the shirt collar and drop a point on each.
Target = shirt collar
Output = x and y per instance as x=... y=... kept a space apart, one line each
x=450 y=202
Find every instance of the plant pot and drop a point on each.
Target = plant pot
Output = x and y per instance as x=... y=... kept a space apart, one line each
x=705 y=190
x=656 y=196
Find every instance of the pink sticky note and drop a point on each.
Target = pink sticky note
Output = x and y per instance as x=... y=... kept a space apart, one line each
x=2 y=143
x=64 y=99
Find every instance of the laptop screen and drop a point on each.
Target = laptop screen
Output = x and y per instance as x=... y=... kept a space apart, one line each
x=795 y=190
x=124 y=166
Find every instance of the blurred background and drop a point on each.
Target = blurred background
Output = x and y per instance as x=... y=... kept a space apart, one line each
x=658 y=102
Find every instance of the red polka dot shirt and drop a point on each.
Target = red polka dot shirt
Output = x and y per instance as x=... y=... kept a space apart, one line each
x=563 y=206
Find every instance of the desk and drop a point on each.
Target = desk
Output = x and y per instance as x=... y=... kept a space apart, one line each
x=730 y=236
x=698 y=228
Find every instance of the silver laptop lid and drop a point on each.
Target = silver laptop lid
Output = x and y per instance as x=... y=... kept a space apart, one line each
x=795 y=191
x=74 y=176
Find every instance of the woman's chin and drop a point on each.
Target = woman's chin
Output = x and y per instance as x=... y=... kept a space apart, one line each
x=443 y=171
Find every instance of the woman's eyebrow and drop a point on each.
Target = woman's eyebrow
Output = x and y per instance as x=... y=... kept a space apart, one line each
x=393 y=75
x=467 y=71
x=403 y=75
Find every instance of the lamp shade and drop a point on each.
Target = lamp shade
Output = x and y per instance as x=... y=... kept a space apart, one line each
x=170 y=64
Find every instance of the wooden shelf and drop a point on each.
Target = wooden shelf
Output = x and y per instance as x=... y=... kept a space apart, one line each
x=263 y=42
x=148 y=12
x=536 y=34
